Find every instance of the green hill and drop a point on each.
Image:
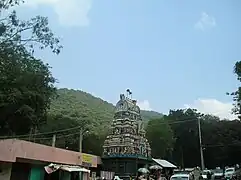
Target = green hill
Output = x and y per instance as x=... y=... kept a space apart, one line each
x=74 y=108
x=83 y=106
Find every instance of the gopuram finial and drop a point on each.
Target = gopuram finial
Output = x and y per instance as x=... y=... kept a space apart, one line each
x=128 y=93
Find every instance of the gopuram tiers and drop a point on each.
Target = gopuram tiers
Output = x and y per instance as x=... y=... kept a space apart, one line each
x=127 y=136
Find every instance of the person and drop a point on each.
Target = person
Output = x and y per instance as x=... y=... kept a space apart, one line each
x=140 y=176
x=191 y=176
x=197 y=173
x=170 y=173
x=209 y=175
x=161 y=175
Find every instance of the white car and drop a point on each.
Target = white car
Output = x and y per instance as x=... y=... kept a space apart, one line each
x=180 y=177
x=229 y=173
x=217 y=174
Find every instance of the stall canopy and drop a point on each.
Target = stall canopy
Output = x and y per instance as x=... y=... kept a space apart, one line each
x=54 y=167
x=163 y=163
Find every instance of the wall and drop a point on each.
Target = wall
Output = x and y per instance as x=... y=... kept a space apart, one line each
x=5 y=171
x=11 y=149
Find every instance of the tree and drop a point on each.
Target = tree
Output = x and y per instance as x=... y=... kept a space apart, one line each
x=160 y=137
x=30 y=33
x=26 y=83
x=221 y=139
x=237 y=94
x=26 y=89
x=184 y=125
x=5 y=4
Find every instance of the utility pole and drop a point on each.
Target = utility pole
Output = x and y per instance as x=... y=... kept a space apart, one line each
x=30 y=134
x=35 y=131
x=200 y=144
x=82 y=132
x=182 y=158
x=53 y=140
x=80 y=140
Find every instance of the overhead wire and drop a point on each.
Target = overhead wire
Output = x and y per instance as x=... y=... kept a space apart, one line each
x=79 y=127
x=33 y=136
x=39 y=134
x=46 y=138
x=221 y=145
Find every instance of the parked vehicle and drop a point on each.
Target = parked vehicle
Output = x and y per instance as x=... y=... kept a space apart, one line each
x=183 y=171
x=217 y=174
x=237 y=174
x=181 y=177
x=229 y=172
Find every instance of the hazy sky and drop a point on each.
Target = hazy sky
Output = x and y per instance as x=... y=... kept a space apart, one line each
x=171 y=54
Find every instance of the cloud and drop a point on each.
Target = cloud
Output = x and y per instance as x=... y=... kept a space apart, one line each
x=144 y=105
x=69 y=12
x=214 y=107
x=205 y=22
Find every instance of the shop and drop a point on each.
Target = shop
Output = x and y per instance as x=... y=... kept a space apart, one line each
x=23 y=160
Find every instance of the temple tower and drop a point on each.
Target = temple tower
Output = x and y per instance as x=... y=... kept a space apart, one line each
x=126 y=149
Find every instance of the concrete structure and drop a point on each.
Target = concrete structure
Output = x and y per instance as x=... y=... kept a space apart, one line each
x=20 y=159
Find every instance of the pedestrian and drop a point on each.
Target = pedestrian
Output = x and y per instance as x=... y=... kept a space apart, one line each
x=209 y=175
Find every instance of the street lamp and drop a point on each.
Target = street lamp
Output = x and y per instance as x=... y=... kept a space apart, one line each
x=82 y=132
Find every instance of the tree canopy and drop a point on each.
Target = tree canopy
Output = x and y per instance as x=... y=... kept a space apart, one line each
x=237 y=94
x=160 y=136
x=221 y=139
x=26 y=88
x=26 y=83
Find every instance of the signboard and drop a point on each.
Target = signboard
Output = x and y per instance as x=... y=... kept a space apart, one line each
x=89 y=160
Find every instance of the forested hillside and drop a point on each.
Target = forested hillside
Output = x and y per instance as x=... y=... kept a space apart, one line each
x=73 y=108
x=85 y=107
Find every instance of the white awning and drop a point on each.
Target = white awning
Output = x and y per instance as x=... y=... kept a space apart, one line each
x=54 y=167
x=164 y=163
x=74 y=169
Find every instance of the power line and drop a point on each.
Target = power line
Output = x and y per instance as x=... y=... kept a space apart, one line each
x=38 y=134
x=78 y=127
x=46 y=138
x=222 y=145
x=26 y=137
x=182 y=121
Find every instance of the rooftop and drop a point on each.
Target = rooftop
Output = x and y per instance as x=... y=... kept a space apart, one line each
x=14 y=150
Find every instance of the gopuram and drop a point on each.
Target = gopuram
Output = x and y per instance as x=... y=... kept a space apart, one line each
x=126 y=149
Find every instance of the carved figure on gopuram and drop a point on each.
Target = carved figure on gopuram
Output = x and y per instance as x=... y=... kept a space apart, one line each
x=127 y=135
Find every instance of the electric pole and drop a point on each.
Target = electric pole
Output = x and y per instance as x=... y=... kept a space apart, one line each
x=80 y=139
x=182 y=158
x=200 y=144
x=53 y=140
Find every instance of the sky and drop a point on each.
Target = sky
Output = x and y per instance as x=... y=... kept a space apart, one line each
x=171 y=54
